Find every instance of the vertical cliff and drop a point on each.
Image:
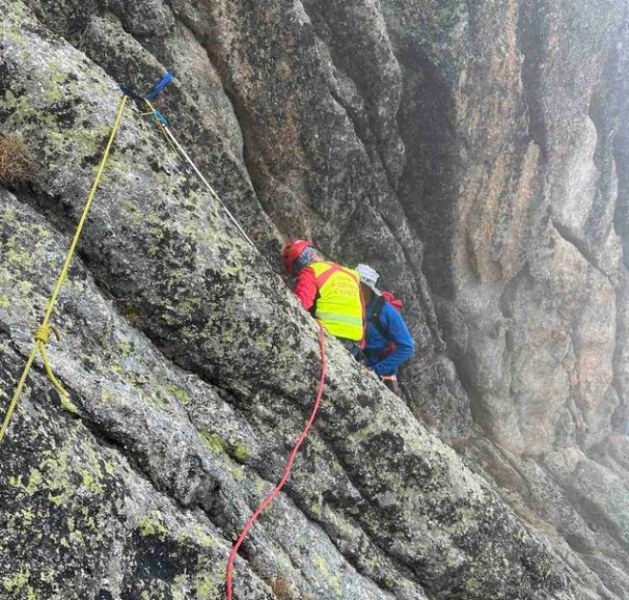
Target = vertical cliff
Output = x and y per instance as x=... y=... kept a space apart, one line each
x=474 y=152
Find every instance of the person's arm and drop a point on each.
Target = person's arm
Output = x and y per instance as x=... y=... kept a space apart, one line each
x=306 y=287
x=397 y=332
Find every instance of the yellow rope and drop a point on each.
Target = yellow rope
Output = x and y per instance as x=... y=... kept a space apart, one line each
x=42 y=335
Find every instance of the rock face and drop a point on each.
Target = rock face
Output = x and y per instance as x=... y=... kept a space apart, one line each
x=475 y=153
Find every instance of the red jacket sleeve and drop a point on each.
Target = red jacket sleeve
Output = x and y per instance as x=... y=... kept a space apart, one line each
x=306 y=287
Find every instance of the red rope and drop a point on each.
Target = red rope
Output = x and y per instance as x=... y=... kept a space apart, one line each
x=287 y=470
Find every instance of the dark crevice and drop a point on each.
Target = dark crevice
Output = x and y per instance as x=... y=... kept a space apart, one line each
x=353 y=116
x=532 y=42
x=581 y=246
x=423 y=292
x=393 y=228
x=357 y=65
x=428 y=183
x=365 y=135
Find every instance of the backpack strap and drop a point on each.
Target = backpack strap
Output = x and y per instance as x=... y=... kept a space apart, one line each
x=374 y=317
x=334 y=268
x=327 y=274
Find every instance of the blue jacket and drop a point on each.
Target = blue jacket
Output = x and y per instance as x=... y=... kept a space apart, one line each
x=396 y=330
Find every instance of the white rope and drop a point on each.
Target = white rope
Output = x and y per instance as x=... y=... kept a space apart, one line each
x=172 y=138
x=183 y=153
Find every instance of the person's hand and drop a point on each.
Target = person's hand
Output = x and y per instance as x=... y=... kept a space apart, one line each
x=391 y=382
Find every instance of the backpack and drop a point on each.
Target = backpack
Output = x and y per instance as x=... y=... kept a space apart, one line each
x=374 y=317
x=397 y=303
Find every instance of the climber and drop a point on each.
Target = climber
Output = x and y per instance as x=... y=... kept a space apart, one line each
x=388 y=341
x=329 y=291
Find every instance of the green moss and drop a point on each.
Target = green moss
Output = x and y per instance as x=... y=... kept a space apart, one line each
x=18 y=585
x=197 y=535
x=334 y=580
x=189 y=306
x=179 y=393
x=41 y=232
x=22 y=258
x=48 y=576
x=107 y=396
x=116 y=368
x=35 y=480
x=160 y=399
x=27 y=516
x=55 y=474
x=125 y=348
x=179 y=588
x=129 y=207
x=158 y=233
x=207 y=587
x=239 y=451
x=24 y=288
x=237 y=472
x=209 y=577
x=133 y=316
x=54 y=92
x=316 y=508
x=86 y=142
x=77 y=539
x=91 y=483
x=149 y=525
x=217 y=445
x=213 y=441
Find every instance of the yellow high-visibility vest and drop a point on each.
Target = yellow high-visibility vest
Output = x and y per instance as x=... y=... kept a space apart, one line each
x=338 y=304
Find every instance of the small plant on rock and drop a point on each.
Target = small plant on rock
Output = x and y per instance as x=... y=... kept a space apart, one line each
x=16 y=164
x=282 y=588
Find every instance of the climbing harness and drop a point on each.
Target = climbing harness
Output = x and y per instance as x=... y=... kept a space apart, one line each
x=287 y=469
x=42 y=334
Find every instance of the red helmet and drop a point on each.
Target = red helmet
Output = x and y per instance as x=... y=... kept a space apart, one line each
x=291 y=252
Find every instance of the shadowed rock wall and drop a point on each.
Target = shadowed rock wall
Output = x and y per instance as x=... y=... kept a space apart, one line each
x=475 y=153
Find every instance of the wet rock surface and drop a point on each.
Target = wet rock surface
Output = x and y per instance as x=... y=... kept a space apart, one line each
x=474 y=153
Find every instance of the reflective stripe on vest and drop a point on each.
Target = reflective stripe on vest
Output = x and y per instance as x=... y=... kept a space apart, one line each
x=338 y=304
